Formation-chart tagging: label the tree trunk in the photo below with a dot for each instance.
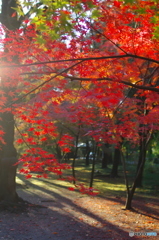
(128, 202)
(138, 178)
(74, 158)
(131, 191)
(93, 165)
(106, 155)
(8, 154)
(116, 161)
(142, 157)
(58, 152)
(88, 150)
(8, 157)
(104, 159)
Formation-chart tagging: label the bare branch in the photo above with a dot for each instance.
(82, 59)
(116, 45)
(37, 73)
(154, 89)
(42, 84)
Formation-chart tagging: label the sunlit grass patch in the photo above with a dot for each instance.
(106, 185)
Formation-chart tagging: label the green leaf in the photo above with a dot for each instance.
(19, 11)
(95, 13)
(40, 39)
(156, 32)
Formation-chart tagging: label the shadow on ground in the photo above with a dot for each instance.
(60, 218)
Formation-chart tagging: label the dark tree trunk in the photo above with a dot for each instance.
(116, 162)
(88, 150)
(74, 158)
(104, 160)
(131, 191)
(106, 155)
(58, 152)
(142, 159)
(144, 140)
(130, 194)
(8, 154)
(8, 158)
(6, 17)
(93, 165)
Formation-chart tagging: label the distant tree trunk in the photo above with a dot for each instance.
(75, 156)
(106, 155)
(116, 161)
(93, 165)
(104, 159)
(150, 153)
(145, 135)
(88, 150)
(58, 152)
(142, 159)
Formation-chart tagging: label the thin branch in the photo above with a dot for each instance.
(82, 59)
(22, 136)
(83, 87)
(42, 84)
(153, 72)
(116, 45)
(113, 80)
(37, 73)
(59, 122)
(149, 137)
(121, 103)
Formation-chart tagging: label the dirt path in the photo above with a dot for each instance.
(66, 215)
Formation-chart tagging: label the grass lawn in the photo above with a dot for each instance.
(116, 186)
(112, 187)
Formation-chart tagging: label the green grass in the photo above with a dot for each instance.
(106, 185)
(116, 186)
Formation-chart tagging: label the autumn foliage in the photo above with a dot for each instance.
(99, 76)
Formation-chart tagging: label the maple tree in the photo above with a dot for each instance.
(96, 69)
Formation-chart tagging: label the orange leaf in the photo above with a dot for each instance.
(14, 14)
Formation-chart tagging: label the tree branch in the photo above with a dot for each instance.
(42, 84)
(116, 45)
(113, 80)
(82, 59)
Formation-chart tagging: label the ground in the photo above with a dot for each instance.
(65, 215)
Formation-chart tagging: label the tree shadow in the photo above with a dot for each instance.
(137, 206)
(67, 214)
(140, 205)
(147, 207)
